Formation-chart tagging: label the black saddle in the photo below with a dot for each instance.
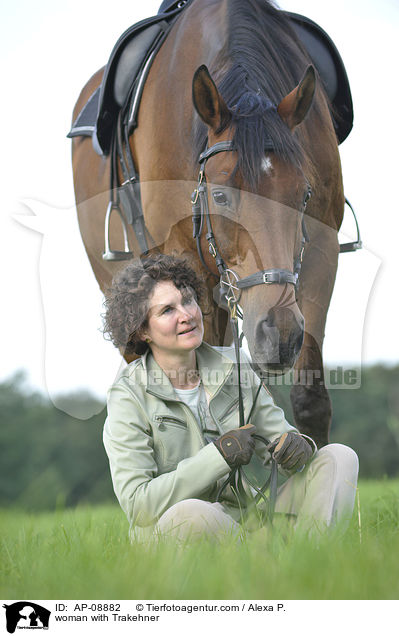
(131, 59)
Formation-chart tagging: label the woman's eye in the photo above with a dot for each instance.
(219, 197)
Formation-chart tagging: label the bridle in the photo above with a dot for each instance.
(200, 214)
(231, 286)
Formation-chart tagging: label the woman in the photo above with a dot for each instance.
(172, 433)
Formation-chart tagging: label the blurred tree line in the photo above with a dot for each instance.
(49, 459)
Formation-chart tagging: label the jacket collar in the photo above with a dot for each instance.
(214, 367)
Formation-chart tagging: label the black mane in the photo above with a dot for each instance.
(265, 62)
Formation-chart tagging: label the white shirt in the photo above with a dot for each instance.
(196, 400)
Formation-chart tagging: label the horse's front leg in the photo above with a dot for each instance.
(309, 396)
(310, 400)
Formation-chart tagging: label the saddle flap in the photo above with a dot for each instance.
(131, 60)
(85, 122)
(135, 45)
(328, 62)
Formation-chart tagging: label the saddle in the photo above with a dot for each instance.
(131, 60)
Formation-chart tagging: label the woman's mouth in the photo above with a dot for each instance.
(182, 333)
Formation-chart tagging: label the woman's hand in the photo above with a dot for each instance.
(291, 451)
(237, 445)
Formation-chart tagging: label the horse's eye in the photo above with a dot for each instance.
(220, 197)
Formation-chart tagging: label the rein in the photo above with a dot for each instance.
(237, 475)
(234, 285)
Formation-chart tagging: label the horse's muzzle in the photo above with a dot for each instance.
(278, 340)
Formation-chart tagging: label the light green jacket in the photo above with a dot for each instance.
(157, 453)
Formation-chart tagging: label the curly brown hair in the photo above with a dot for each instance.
(126, 303)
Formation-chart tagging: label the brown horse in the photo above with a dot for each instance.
(251, 82)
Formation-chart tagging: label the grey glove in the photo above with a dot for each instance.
(237, 445)
(291, 451)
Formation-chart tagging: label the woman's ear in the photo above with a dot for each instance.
(142, 335)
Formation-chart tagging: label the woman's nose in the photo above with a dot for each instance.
(184, 314)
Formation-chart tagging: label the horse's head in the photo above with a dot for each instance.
(256, 192)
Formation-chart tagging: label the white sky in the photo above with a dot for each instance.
(50, 326)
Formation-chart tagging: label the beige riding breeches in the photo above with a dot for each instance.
(318, 498)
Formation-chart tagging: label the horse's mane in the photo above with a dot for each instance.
(265, 62)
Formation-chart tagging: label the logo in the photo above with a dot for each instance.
(26, 615)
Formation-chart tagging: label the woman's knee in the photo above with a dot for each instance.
(195, 517)
(192, 512)
(341, 455)
(188, 509)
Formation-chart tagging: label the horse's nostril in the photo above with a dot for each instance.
(269, 321)
(278, 339)
(285, 320)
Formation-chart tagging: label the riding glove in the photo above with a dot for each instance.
(291, 451)
(237, 445)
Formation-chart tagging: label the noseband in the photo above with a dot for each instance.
(228, 278)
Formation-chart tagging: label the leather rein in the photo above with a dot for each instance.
(231, 286)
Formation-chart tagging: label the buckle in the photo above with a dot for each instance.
(265, 280)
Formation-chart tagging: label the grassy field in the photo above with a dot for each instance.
(85, 553)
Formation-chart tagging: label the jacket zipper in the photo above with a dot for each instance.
(218, 391)
(160, 419)
(229, 410)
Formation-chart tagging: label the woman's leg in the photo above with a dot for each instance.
(323, 494)
(194, 518)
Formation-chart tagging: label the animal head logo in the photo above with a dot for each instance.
(26, 615)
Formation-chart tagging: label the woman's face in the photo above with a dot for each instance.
(174, 319)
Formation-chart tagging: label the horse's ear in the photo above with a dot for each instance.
(293, 107)
(208, 102)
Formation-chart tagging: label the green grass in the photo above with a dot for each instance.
(84, 553)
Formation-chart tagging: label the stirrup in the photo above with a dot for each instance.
(116, 255)
(354, 245)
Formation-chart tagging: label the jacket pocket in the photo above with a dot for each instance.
(164, 421)
(230, 409)
(171, 440)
